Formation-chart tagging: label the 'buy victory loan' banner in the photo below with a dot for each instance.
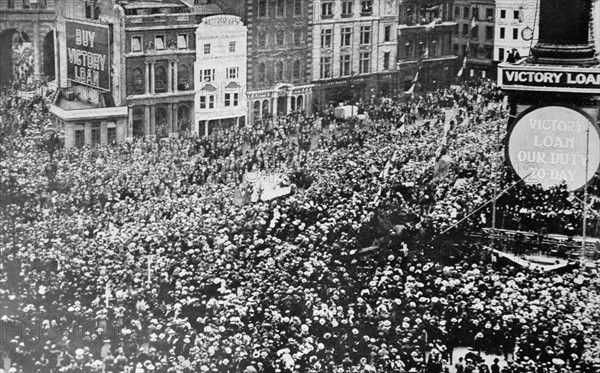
(88, 54)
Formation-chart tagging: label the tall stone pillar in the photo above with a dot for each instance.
(147, 125)
(152, 77)
(147, 73)
(37, 47)
(169, 76)
(176, 76)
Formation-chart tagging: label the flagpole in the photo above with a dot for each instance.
(585, 189)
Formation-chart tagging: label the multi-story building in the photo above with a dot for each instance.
(354, 50)
(515, 28)
(425, 39)
(27, 32)
(279, 48)
(140, 78)
(220, 71)
(475, 32)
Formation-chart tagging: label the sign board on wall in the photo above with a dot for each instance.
(553, 144)
(88, 54)
(554, 79)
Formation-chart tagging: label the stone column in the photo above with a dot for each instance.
(169, 76)
(147, 125)
(152, 76)
(147, 77)
(176, 76)
(129, 129)
(37, 46)
(289, 104)
(170, 125)
(274, 106)
(152, 120)
(175, 127)
(56, 58)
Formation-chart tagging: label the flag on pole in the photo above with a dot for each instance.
(473, 24)
(463, 67)
(430, 26)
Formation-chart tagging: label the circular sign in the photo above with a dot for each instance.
(553, 144)
(527, 33)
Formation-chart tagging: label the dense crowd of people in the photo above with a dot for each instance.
(141, 257)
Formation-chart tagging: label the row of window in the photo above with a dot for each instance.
(96, 138)
(159, 80)
(26, 4)
(279, 8)
(515, 33)
(364, 64)
(475, 51)
(208, 75)
(231, 48)
(160, 43)
(473, 32)
(346, 36)
(473, 13)
(328, 8)
(280, 36)
(279, 73)
(229, 100)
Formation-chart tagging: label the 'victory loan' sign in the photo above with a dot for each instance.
(551, 144)
(88, 54)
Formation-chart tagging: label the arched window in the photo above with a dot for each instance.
(265, 108)
(160, 123)
(137, 81)
(183, 78)
(262, 73)
(183, 115)
(256, 109)
(137, 122)
(300, 102)
(279, 71)
(293, 103)
(160, 79)
(297, 70)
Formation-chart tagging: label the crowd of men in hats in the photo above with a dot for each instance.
(138, 258)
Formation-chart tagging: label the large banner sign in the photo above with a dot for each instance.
(553, 144)
(542, 79)
(88, 54)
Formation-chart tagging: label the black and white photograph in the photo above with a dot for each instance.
(299, 186)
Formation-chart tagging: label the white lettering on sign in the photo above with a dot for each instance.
(85, 37)
(532, 76)
(554, 144)
(552, 78)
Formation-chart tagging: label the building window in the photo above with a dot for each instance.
(297, 70)
(489, 32)
(160, 79)
(297, 36)
(111, 135)
(232, 72)
(387, 33)
(455, 49)
(183, 78)
(325, 67)
(502, 32)
(96, 139)
(475, 33)
(347, 8)
(262, 72)
(207, 102)
(502, 13)
(182, 41)
(262, 39)
(297, 8)
(208, 75)
(465, 29)
(345, 65)
(279, 71)
(279, 38)
(11, 5)
(136, 43)
(366, 7)
(346, 35)
(364, 65)
(206, 48)
(500, 54)
(159, 42)
(516, 15)
(515, 33)
(326, 38)
(262, 8)
(466, 11)
(386, 60)
(280, 8)
(489, 14)
(456, 13)
(476, 14)
(231, 99)
(365, 34)
(137, 81)
(408, 50)
(327, 9)
(232, 46)
(79, 138)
